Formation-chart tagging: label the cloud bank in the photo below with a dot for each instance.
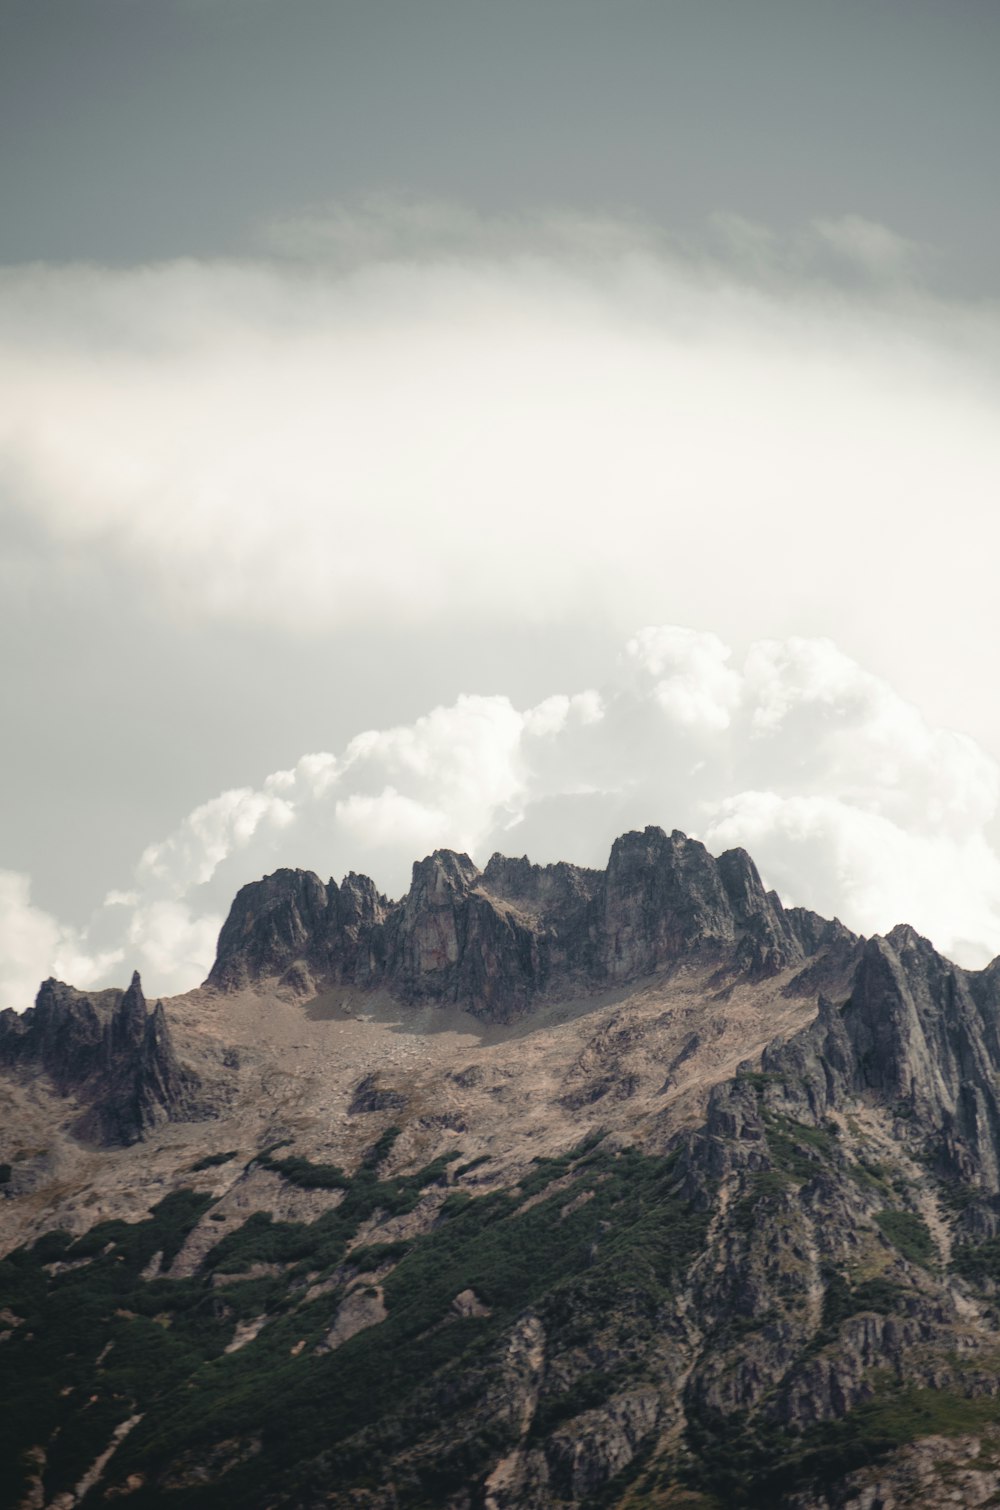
(409, 417)
(849, 800)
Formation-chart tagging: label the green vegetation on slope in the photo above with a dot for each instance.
(90, 1341)
(335, 1419)
(978, 1262)
(751, 1463)
(909, 1233)
(594, 1244)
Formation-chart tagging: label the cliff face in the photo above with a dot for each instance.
(854, 1264)
(496, 940)
(107, 1050)
(291, 925)
(918, 1035)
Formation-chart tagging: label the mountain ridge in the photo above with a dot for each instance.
(540, 1187)
(499, 938)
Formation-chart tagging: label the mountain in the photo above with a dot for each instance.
(498, 940)
(540, 1187)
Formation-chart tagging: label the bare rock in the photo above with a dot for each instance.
(497, 942)
(111, 1053)
(594, 1447)
(364, 1307)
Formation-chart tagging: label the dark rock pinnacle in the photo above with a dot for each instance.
(109, 1052)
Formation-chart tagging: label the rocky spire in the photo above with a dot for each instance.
(108, 1051)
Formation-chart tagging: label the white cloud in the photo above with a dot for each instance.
(695, 684)
(845, 730)
(455, 768)
(834, 247)
(575, 421)
(389, 820)
(191, 856)
(33, 945)
(170, 942)
(850, 802)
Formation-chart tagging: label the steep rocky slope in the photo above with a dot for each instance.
(541, 1187)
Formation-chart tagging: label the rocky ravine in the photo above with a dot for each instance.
(540, 1187)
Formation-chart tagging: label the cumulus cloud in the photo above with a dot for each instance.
(694, 684)
(33, 945)
(849, 800)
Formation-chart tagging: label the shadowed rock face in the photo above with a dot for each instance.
(292, 926)
(495, 940)
(919, 1035)
(106, 1049)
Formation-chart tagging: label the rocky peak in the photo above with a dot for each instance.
(440, 878)
(357, 901)
(428, 932)
(666, 897)
(506, 876)
(71, 1032)
(913, 1023)
(352, 944)
(918, 1033)
(490, 941)
(271, 923)
(814, 932)
(128, 1023)
(663, 897)
(494, 940)
(770, 940)
(108, 1051)
(741, 881)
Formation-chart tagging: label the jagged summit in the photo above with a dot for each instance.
(107, 1050)
(496, 940)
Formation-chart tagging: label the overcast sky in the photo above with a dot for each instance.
(493, 426)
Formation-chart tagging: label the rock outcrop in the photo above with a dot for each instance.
(291, 926)
(108, 1051)
(496, 940)
(922, 1037)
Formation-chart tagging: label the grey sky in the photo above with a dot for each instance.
(386, 353)
(134, 130)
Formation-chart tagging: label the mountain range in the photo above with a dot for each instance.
(542, 1186)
